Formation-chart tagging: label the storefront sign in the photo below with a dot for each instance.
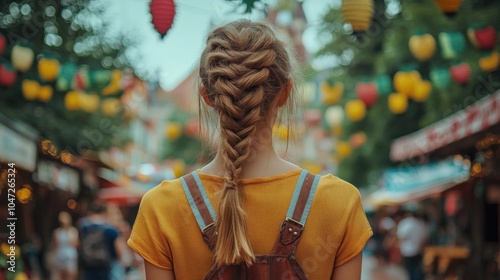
(477, 117)
(416, 178)
(17, 149)
(57, 175)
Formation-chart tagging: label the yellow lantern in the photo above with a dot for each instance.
(490, 63)
(114, 84)
(45, 93)
(422, 46)
(48, 69)
(72, 100)
(422, 91)
(283, 132)
(398, 103)
(30, 89)
(110, 106)
(343, 149)
(404, 82)
(358, 13)
(90, 102)
(355, 110)
(173, 131)
(178, 168)
(22, 58)
(332, 94)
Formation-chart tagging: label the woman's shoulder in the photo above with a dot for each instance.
(331, 187)
(164, 192)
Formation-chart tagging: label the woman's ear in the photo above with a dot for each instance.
(204, 95)
(285, 93)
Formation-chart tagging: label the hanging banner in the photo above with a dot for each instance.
(475, 118)
(16, 148)
(59, 176)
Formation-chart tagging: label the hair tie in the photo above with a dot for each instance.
(231, 187)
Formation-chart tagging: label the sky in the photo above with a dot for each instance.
(172, 58)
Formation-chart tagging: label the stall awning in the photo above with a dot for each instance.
(405, 184)
(475, 118)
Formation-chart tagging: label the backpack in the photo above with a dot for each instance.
(94, 248)
(281, 263)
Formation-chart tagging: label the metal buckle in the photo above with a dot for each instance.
(208, 227)
(294, 221)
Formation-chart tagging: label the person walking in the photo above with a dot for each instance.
(100, 244)
(65, 252)
(249, 214)
(413, 234)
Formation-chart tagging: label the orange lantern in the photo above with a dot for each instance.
(173, 131)
(449, 7)
(332, 94)
(358, 139)
(355, 110)
(30, 89)
(404, 82)
(398, 103)
(48, 69)
(72, 100)
(422, 46)
(422, 91)
(45, 93)
(22, 58)
(343, 149)
(358, 13)
(490, 63)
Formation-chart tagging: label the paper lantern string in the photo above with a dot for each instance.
(163, 12)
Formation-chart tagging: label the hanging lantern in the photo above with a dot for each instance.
(45, 93)
(486, 38)
(30, 89)
(48, 69)
(384, 84)
(471, 34)
(89, 102)
(398, 103)
(452, 44)
(22, 57)
(81, 79)
(460, 73)
(334, 115)
(404, 82)
(72, 100)
(65, 77)
(440, 78)
(448, 7)
(332, 94)
(355, 110)
(110, 106)
(358, 13)
(343, 149)
(3, 43)
(422, 46)
(7, 75)
(367, 92)
(422, 91)
(490, 63)
(358, 139)
(163, 12)
(114, 85)
(173, 131)
(312, 117)
(100, 78)
(283, 132)
(179, 168)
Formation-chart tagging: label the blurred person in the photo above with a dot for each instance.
(413, 233)
(65, 249)
(100, 244)
(246, 75)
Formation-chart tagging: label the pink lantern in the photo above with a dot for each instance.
(192, 127)
(163, 12)
(367, 92)
(460, 73)
(312, 117)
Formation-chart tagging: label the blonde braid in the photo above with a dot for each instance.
(241, 75)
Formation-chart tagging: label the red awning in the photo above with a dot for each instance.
(121, 195)
(475, 118)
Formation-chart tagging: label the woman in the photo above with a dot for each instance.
(65, 248)
(246, 75)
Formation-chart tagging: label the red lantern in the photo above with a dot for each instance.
(7, 76)
(3, 42)
(486, 38)
(163, 12)
(460, 73)
(367, 92)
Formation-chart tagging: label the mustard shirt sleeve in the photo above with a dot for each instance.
(357, 231)
(147, 238)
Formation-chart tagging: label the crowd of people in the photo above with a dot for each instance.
(94, 247)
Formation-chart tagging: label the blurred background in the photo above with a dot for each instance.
(400, 97)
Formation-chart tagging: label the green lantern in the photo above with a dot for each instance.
(100, 78)
(384, 84)
(440, 78)
(452, 44)
(68, 69)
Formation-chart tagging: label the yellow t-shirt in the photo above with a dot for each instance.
(166, 234)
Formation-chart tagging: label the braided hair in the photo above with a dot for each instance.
(243, 69)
